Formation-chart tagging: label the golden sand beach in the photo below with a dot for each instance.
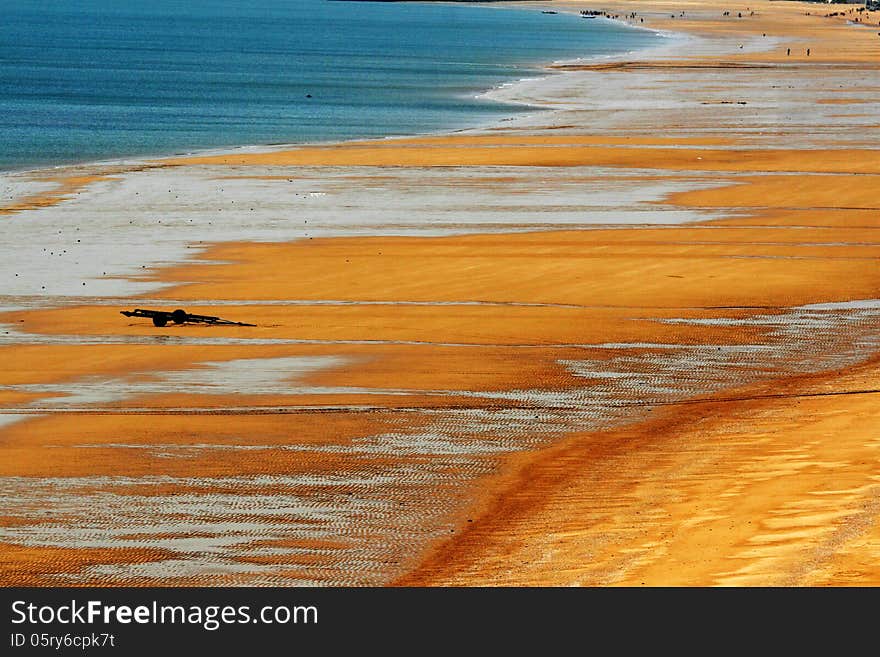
(629, 341)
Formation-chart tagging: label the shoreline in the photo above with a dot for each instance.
(541, 71)
(499, 94)
(644, 319)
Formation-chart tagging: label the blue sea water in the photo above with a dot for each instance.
(85, 80)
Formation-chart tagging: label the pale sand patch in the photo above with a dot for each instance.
(57, 189)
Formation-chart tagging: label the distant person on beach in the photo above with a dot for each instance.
(808, 52)
(788, 51)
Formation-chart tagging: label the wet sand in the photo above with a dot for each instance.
(630, 341)
(776, 487)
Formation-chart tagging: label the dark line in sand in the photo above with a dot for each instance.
(230, 410)
(802, 395)
(408, 409)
